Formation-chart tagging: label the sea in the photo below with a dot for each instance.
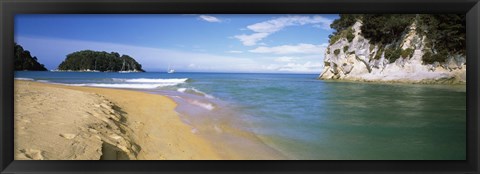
(301, 117)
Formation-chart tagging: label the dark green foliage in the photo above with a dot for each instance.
(407, 53)
(336, 52)
(345, 49)
(385, 28)
(445, 33)
(345, 21)
(350, 35)
(372, 47)
(392, 54)
(327, 63)
(334, 38)
(100, 61)
(25, 61)
(429, 58)
(378, 28)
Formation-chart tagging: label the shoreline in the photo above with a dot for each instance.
(158, 136)
(445, 82)
(151, 127)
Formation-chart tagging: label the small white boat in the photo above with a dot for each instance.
(170, 71)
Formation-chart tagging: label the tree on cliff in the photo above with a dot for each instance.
(100, 61)
(25, 61)
(445, 33)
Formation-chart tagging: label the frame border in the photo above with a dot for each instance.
(8, 8)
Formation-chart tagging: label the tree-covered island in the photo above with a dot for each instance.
(88, 60)
(24, 61)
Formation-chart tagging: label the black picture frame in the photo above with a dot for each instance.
(8, 8)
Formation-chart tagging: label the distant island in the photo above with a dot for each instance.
(25, 62)
(405, 48)
(99, 61)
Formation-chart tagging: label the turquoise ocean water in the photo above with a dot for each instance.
(305, 118)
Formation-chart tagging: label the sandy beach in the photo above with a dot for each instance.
(80, 123)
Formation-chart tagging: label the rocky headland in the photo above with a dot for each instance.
(352, 56)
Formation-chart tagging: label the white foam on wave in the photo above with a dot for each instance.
(43, 81)
(140, 83)
(146, 80)
(27, 79)
(196, 91)
(182, 89)
(125, 85)
(207, 106)
(204, 94)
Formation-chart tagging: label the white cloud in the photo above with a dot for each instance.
(284, 59)
(252, 39)
(277, 24)
(209, 18)
(307, 67)
(235, 51)
(292, 49)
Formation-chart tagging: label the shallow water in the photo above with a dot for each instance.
(305, 118)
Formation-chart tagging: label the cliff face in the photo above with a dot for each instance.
(359, 60)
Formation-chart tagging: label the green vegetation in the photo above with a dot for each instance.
(379, 54)
(336, 52)
(429, 58)
(25, 61)
(378, 28)
(392, 54)
(385, 28)
(407, 53)
(100, 61)
(334, 38)
(345, 49)
(445, 33)
(344, 22)
(348, 33)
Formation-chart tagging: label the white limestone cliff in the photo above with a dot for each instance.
(358, 62)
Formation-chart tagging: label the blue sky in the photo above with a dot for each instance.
(193, 43)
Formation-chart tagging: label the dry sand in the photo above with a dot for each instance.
(81, 123)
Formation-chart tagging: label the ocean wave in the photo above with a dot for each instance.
(182, 89)
(145, 80)
(123, 85)
(43, 81)
(27, 79)
(207, 106)
(195, 91)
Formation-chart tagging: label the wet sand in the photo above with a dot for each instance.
(62, 122)
(69, 122)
